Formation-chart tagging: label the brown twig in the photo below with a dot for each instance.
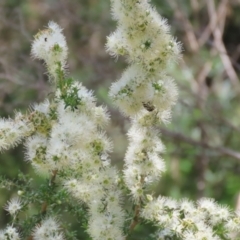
(217, 34)
(180, 137)
(202, 95)
(135, 218)
(190, 35)
(54, 174)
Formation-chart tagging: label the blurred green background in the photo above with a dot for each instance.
(202, 142)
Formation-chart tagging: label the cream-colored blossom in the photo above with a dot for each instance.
(14, 206)
(50, 45)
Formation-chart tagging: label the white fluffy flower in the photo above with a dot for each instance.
(14, 206)
(191, 221)
(207, 204)
(10, 233)
(49, 229)
(13, 131)
(50, 45)
(108, 225)
(142, 35)
(36, 147)
(42, 107)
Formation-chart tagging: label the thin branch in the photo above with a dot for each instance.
(219, 45)
(135, 218)
(219, 149)
(191, 37)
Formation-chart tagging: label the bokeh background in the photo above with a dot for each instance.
(203, 140)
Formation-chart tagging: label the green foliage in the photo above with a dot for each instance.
(46, 199)
(69, 93)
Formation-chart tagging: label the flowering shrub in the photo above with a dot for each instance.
(65, 141)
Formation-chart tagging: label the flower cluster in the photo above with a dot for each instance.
(48, 230)
(13, 131)
(50, 45)
(204, 220)
(144, 92)
(142, 35)
(10, 233)
(14, 206)
(65, 136)
(76, 143)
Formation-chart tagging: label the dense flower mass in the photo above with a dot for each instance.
(65, 136)
(73, 140)
(204, 220)
(48, 230)
(142, 35)
(145, 92)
